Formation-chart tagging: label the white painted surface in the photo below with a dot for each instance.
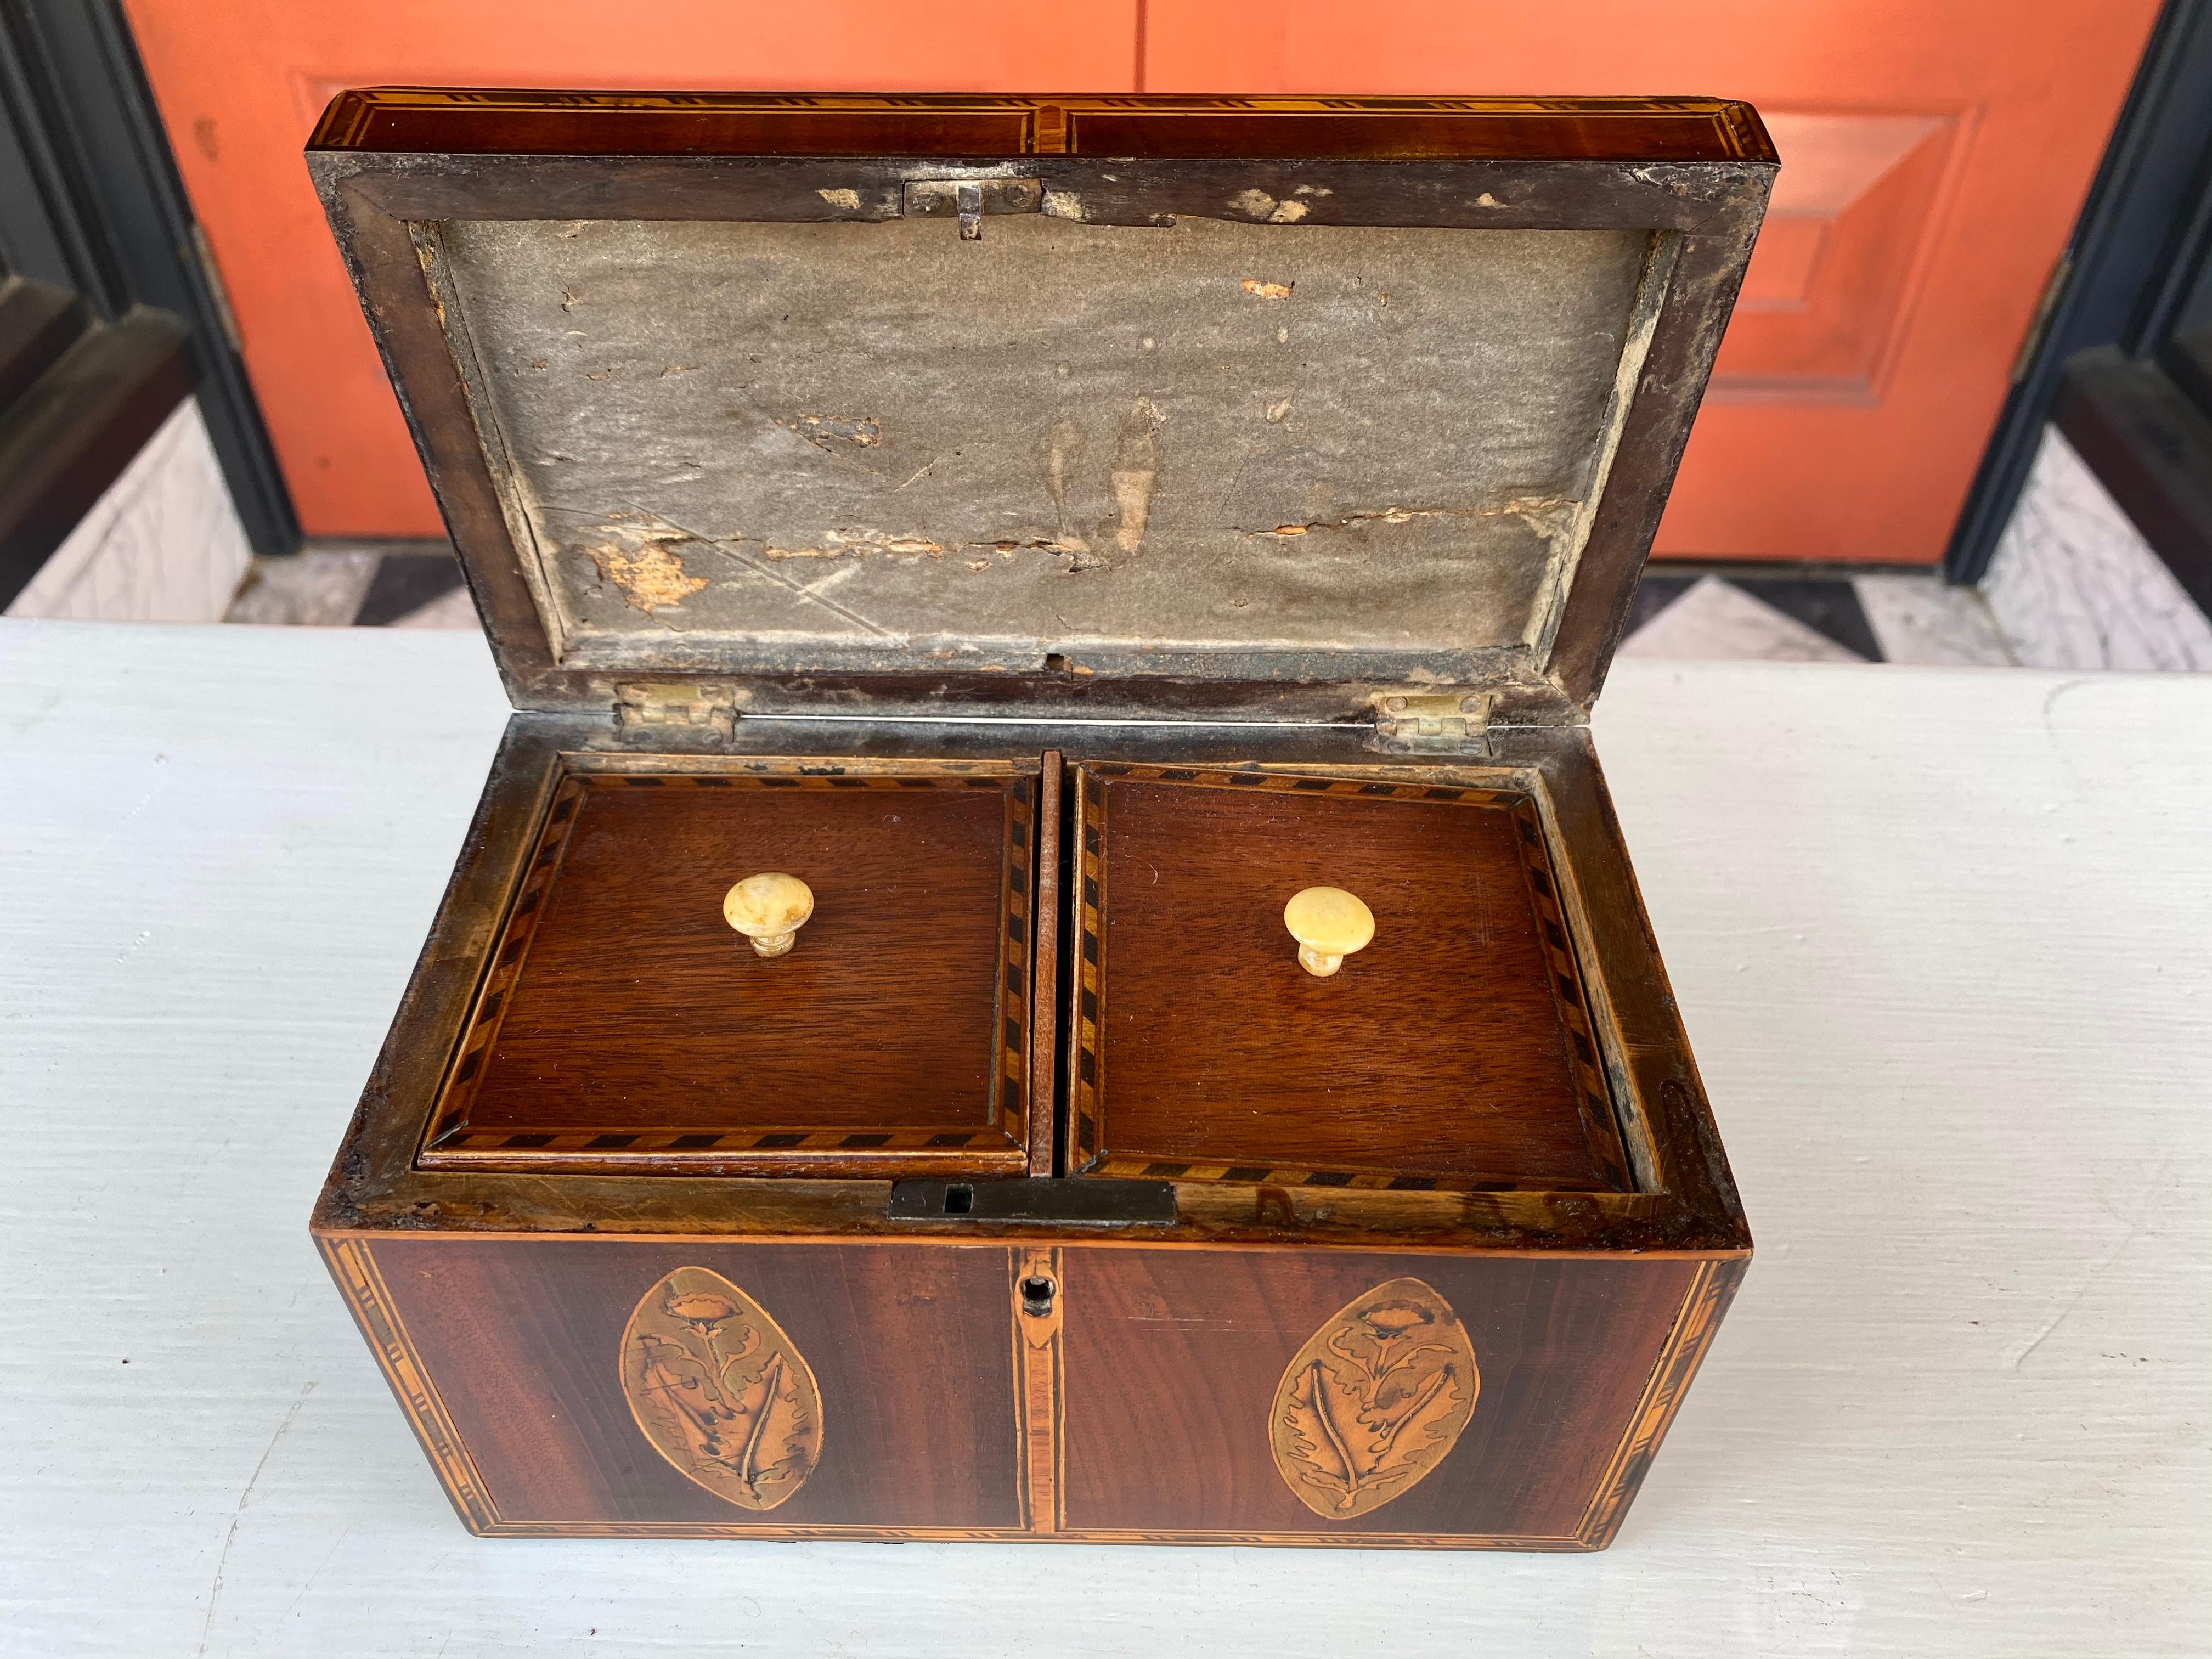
(1943, 939)
(162, 543)
(2074, 585)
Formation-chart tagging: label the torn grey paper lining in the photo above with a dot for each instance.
(776, 440)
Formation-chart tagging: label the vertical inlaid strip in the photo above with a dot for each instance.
(1570, 998)
(1712, 1286)
(1037, 1381)
(1044, 1130)
(1087, 987)
(1009, 1091)
(525, 911)
(363, 1287)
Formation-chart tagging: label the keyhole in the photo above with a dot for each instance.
(1037, 1296)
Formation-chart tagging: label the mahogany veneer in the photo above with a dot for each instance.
(625, 1024)
(1456, 1050)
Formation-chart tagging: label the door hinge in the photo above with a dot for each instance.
(2039, 325)
(1455, 723)
(218, 291)
(675, 702)
(971, 199)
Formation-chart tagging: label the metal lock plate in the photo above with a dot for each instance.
(971, 199)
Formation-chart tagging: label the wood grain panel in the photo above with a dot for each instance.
(622, 1018)
(1453, 1050)
(1173, 1359)
(487, 121)
(909, 1347)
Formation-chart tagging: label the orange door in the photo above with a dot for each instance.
(1935, 153)
(240, 83)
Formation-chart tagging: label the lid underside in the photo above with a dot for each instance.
(1201, 447)
(1243, 409)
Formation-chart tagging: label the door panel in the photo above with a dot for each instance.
(1825, 304)
(1935, 153)
(239, 86)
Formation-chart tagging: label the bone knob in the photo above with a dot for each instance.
(769, 910)
(1329, 924)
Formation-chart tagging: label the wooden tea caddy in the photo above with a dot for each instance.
(1057, 531)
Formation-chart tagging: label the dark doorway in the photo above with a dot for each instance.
(2121, 360)
(109, 313)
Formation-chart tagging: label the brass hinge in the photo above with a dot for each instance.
(675, 702)
(971, 199)
(1455, 723)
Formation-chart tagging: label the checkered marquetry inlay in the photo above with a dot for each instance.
(451, 1139)
(1087, 1093)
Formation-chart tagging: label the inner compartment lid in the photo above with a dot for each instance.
(624, 1027)
(1453, 1051)
(850, 399)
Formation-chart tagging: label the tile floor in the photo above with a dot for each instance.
(162, 543)
(2073, 586)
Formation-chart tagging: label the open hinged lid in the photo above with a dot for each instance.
(1117, 407)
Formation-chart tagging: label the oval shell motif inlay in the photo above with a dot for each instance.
(720, 1391)
(1374, 1400)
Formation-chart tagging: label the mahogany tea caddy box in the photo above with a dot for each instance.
(1045, 954)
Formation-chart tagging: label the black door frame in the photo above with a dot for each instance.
(2136, 251)
(123, 308)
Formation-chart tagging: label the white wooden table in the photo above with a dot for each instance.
(1944, 942)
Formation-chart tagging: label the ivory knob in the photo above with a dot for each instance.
(769, 910)
(1329, 924)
